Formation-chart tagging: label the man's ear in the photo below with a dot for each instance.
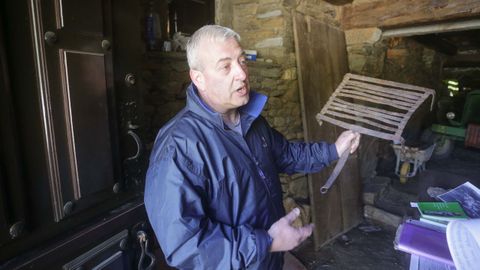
(198, 79)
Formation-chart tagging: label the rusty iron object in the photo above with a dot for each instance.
(336, 171)
(371, 106)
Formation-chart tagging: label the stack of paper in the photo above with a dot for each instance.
(422, 263)
(447, 236)
(463, 237)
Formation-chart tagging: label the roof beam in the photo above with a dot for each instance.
(456, 26)
(339, 2)
(393, 14)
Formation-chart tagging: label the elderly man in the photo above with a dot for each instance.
(212, 193)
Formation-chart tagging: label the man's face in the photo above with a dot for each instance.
(223, 82)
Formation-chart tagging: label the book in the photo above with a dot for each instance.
(422, 241)
(430, 224)
(467, 195)
(442, 212)
(442, 226)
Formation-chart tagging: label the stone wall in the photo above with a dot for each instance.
(165, 78)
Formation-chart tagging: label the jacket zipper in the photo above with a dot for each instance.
(260, 172)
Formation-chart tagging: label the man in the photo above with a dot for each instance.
(212, 191)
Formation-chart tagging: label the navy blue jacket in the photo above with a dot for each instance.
(211, 194)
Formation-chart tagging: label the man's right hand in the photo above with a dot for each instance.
(285, 236)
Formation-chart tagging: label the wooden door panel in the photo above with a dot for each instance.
(92, 149)
(81, 17)
(106, 255)
(78, 102)
(322, 63)
(4, 222)
(12, 201)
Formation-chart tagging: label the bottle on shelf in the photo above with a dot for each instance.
(153, 29)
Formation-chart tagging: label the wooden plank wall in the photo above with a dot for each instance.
(322, 62)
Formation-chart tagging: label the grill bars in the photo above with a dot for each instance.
(373, 107)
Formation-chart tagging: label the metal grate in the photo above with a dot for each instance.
(375, 107)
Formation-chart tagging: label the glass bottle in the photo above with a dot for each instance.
(153, 29)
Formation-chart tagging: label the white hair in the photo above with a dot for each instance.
(208, 32)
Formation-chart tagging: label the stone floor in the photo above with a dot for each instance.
(370, 247)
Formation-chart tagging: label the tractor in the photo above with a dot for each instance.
(458, 120)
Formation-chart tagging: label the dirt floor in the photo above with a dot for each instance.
(370, 246)
(358, 249)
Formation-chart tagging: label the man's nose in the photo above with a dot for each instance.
(241, 72)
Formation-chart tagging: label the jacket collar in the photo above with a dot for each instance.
(248, 113)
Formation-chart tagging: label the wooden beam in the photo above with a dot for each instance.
(464, 25)
(338, 2)
(468, 60)
(391, 14)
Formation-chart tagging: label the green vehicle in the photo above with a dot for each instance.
(458, 118)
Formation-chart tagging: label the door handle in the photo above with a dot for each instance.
(138, 142)
(143, 240)
(130, 80)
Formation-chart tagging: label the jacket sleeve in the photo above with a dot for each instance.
(175, 195)
(301, 157)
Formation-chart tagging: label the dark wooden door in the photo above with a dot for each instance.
(72, 165)
(12, 199)
(322, 63)
(73, 53)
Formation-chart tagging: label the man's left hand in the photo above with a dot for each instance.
(347, 141)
